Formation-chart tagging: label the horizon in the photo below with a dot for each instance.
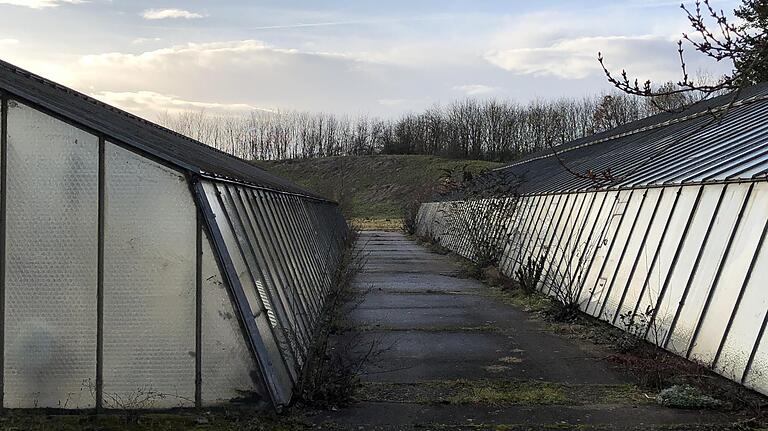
(344, 58)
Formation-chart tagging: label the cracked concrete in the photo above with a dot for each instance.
(433, 326)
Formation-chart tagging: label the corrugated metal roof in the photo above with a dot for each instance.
(690, 147)
(134, 131)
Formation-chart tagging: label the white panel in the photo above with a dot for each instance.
(623, 271)
(712, 255)
(149, 284)
(228, 367)
(607, 225)
(731, 280)
(518, 232)
(668, 307)
(619, 236)
(644, 258)
(746, 326)
(51, 279)
(660, 271)
(541, 241)
(560, 245)
(592, 244)
(583, 241)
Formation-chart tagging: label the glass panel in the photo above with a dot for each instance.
(659, 273)
(757, 376)
(592, 243)
(624, 215)
(729, 285)
(746, 325)
(678, 279)
(644, 259)
(149, 284)
(228, 368)
(258, 313)
(51, 279)
(712, 255)
(619, 275)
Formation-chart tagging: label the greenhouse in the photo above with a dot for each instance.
(657, 227)
(142, 269)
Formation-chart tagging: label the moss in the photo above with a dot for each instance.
(523, 394)
(385, 224)
(687, 397)
(499, 392)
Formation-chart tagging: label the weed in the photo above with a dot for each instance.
(528, 275)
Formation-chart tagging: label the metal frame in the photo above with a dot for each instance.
(3, 212)
(275, 393)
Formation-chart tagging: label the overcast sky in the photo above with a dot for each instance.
(343, 56)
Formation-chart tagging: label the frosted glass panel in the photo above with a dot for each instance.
(52, 228)
(228, 368)
(712, 255)
(726, 291)
(149, 283)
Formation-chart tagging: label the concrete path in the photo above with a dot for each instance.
(452, 356)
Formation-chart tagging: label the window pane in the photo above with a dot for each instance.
(149, 284)
(52, 229)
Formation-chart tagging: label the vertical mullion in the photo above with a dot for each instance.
(593, 253)
(100, 278)
(302, 240)
(3, 194)
(743, 289)
(655, 259)
(719, 273)
(695, 269)
(610, 247)
(198, 310)
(623, 253)
(675, 258)
(635, 261)
(542, 208)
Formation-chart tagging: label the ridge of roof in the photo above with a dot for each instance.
(663, 119)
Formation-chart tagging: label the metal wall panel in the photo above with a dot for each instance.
(657, 284)
(646, 257)
(51, 262)
(734, 270)
(622, 271)
(709, 264)
(229, 370)
(617, 245)
(149, 284)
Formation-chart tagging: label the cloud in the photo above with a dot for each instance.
(141, 40)
(149, 103)
(9, 42)
(565, 47)
(155, 14)
(40, 4)
(577, 58)
(247, 74)
(475, 89)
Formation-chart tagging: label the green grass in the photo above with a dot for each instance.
(371, 187)
(501, 392)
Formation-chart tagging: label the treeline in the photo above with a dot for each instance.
(467, 129)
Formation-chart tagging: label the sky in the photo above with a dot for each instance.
(348, 57)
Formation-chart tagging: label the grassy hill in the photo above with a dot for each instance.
(371, 187)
